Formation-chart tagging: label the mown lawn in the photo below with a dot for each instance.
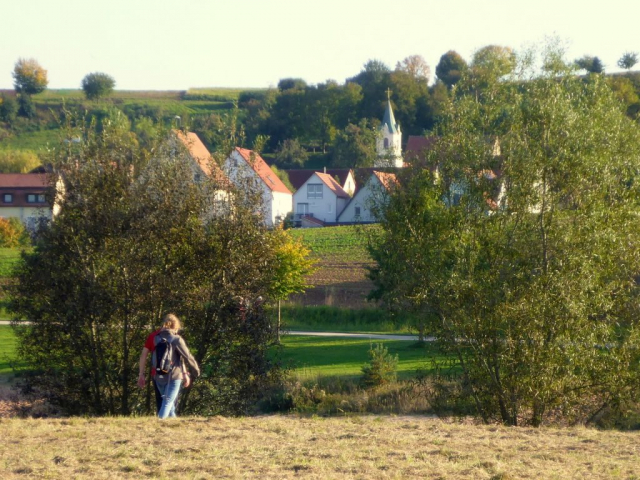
(7, 349)
(8, 259)
(307, 357)
(310, 357)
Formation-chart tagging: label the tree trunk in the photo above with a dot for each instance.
(278, 328)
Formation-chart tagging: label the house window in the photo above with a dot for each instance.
(386, 143)
(330, 208)
(314, 190)
(357, 211)
(303, 209)
(7, 198)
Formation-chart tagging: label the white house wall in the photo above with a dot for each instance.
(282, 205)
(326, 208)
(364, 200)
(275, 205)
(27, 215)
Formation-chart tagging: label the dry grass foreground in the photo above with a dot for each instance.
(293, 447)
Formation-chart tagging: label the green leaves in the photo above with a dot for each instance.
(524, 245)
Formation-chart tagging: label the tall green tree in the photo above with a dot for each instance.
(628, 60)
(450, 68)
(530, 278)
(494, 60)
(136, 237)
(97, 85)
(355, 146)
(590, 64)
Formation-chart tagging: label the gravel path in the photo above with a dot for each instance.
(373, 336)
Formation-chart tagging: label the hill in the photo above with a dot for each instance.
(160, 106)
(294, 447)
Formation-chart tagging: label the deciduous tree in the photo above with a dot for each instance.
(526, 259)
(450, 68)
(628, 60)
(97, 85)
(416, 66)
(29, 77)
(293, 266)
(136, 238)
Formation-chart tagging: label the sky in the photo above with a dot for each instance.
(182, 44)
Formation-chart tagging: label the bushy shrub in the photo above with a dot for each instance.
(12, 233)
(381, 369)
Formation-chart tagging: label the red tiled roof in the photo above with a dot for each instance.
(24, 180)
(263, 170)
(388, 180)
(417, 145)
(19, 185)
(298, 177)
(201, 155)
(334, 186)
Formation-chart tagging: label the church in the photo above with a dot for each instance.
(389, 141)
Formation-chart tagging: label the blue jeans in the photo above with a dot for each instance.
(169, 394)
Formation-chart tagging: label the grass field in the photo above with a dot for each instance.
(324, 318)
(307, 356)
(310, 357)
(342, 262)
(8, 259)
(287, 447)
(7, 349)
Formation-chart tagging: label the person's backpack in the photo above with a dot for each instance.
(163, 355)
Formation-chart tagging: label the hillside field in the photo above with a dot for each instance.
(286, 447)
(158, 104)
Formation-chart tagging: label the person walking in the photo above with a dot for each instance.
(168, 362)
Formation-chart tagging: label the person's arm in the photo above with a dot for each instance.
(142, 380)
(185, 376)
(183, 350)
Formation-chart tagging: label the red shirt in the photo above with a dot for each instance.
(150, 345)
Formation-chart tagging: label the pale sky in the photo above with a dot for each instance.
(179, 44)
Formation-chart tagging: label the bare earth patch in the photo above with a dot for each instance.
(298, 447)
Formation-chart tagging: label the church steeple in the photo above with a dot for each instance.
(389, 141)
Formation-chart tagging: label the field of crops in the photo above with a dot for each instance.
(342, 265)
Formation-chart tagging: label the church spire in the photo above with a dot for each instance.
(389, 138)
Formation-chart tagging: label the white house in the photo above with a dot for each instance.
(321, 197)
(361, 207)
(23, 196)
(244, 166)
(344, 176)
(204, 164)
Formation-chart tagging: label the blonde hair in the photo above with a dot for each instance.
(171, 322)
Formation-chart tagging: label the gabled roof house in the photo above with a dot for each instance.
(23, 196)
(320, 198)
(344, 176)
(361, 207)
(244, 165)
